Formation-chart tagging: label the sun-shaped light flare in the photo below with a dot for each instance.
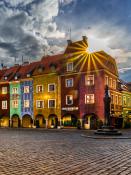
(82, 56)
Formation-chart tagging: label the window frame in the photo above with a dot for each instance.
(90, 98)
(42, 105)
(50, 100)
(66, 80)
(49, 87)
(67, 98)
(6, 106)
(2, 90)
(28, 90)
(26, 101)
(86, 80)
(37, 88)
(67, 68)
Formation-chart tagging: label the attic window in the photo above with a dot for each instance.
(53, 67)
(40, 68)
(5, 78)
(28, 75)
(16, 77)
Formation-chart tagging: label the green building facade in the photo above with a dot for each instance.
(15, 103)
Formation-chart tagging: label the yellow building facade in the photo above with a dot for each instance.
(47, 104)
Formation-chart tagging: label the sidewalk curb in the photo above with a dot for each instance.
(109, 137)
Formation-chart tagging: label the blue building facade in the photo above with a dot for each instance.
(27, 98)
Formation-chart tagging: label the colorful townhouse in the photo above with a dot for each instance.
(62, 90)
(4, 100)
(26, 88)
(47, 92)
(83, 80)
(126, 104)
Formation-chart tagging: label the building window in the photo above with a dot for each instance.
(124, 100)
(116, 99)
(39, 104)
(4, 104)
(4, 90)
(70, 67)
(114, 84)
(39, 88)
(89, 80)
(110, 82)
(14, 90)
(89, 99)
(112, 99)
(106, 80)
(26, 103)
(14, 103)
(26, 89)
(69, 100)
(120, 100)
(51, 103)
(51, 87)
(69, 82)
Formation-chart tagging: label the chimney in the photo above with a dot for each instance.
(69, 42)
(85, 38)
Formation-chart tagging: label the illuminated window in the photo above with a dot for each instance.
(69, 82)
(112, 99)
(4, 90)
(39, 88)
(114, 84)
(14, 90)
(124, 100)
(69, 100)
(51, 87)
(51, 103)
(69, 66)
(26, 103)
(89, 80)
(4, 104)
(39, 104)
(116, 99)
(89, 99)
(14, 103)
(110, 82)
(26, 89)
(106, 80)
(120, 100)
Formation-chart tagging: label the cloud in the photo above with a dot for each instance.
(26, 27)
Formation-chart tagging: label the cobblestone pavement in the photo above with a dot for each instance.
(42, 152)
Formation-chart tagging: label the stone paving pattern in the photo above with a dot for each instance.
(43, 152)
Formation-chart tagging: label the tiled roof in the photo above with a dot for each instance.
(10, 73)
(47, 63)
